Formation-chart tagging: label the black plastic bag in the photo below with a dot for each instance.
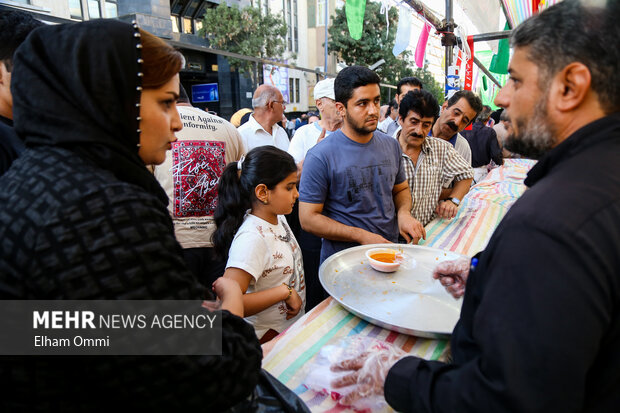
(271, 396)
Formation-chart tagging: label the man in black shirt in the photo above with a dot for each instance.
(539, 329)
(483, 144)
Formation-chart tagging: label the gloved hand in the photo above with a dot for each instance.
(453, 275)
(368, 372)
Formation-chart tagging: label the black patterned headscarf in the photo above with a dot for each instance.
(78, 86)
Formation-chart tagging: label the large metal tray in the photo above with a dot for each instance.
(408, 301)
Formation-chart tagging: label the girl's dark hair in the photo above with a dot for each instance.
(262, 165)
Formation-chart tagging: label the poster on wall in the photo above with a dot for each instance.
(277, 76)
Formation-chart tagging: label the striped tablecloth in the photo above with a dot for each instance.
(289, 355)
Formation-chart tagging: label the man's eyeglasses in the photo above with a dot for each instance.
(283, 103)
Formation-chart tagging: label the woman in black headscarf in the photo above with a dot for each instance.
(82, 218)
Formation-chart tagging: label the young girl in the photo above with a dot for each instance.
(263, 255)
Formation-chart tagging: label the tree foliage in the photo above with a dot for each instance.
(374, 46)
(429, 82)
(245, 31)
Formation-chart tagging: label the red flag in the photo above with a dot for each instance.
(469, 68)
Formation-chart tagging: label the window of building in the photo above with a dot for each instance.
(94, 12)
(187, 15)
(320, 12)
(187, 26)
(111, 9)
(295, 26)
(75, 9)
(289, 10)
(263, 6)
(293, 89)
(175, 23)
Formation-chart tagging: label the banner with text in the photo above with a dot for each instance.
(108, 327)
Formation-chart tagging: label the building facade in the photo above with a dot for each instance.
(207, 76)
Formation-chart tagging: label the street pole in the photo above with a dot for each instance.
(450, 30)
(326, 23)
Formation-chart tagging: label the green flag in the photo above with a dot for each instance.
(354, 10)
(499, 63)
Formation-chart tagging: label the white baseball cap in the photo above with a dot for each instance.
(324, 89)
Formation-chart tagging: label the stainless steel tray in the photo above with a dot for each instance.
(408, 300)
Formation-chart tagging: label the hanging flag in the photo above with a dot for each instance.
(421, 47)
(459, 59)
(354, 10)
(469, 66)
(385, 9)
(403, 32)
(499, 63)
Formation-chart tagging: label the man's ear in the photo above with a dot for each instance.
(570, 86)
(341, 108)
(3, 70)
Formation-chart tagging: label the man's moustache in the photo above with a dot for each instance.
(452, 126)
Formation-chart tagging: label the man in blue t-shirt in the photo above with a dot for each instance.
(353, 189)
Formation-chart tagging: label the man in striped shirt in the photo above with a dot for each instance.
(431, 164)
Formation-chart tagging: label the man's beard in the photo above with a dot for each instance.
(360, 128)
(537, 136)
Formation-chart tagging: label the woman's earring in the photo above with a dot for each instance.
(264, 201)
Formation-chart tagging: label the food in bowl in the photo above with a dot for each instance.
(383, 259)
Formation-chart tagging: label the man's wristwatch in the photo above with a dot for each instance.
(455, 201)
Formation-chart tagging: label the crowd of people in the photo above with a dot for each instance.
(114, 187)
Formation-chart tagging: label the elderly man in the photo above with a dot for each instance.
(308, 135)
(430, 163)
(263, 126)
(305, 138)
(456, 114)
(540, 323)
(405, 85)
(353, 189)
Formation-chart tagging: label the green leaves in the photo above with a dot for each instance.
(374, 45)
(245, 31)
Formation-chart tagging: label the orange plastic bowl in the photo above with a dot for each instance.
(383, 259)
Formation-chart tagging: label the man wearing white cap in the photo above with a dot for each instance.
(305, 138)
(308, 135)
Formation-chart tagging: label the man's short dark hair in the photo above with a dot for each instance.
(15, 26)
(421, 102)
(473, 100)
(391, 106)
(569, 32)
(413, 81)
(351, 78)
(484, 114)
